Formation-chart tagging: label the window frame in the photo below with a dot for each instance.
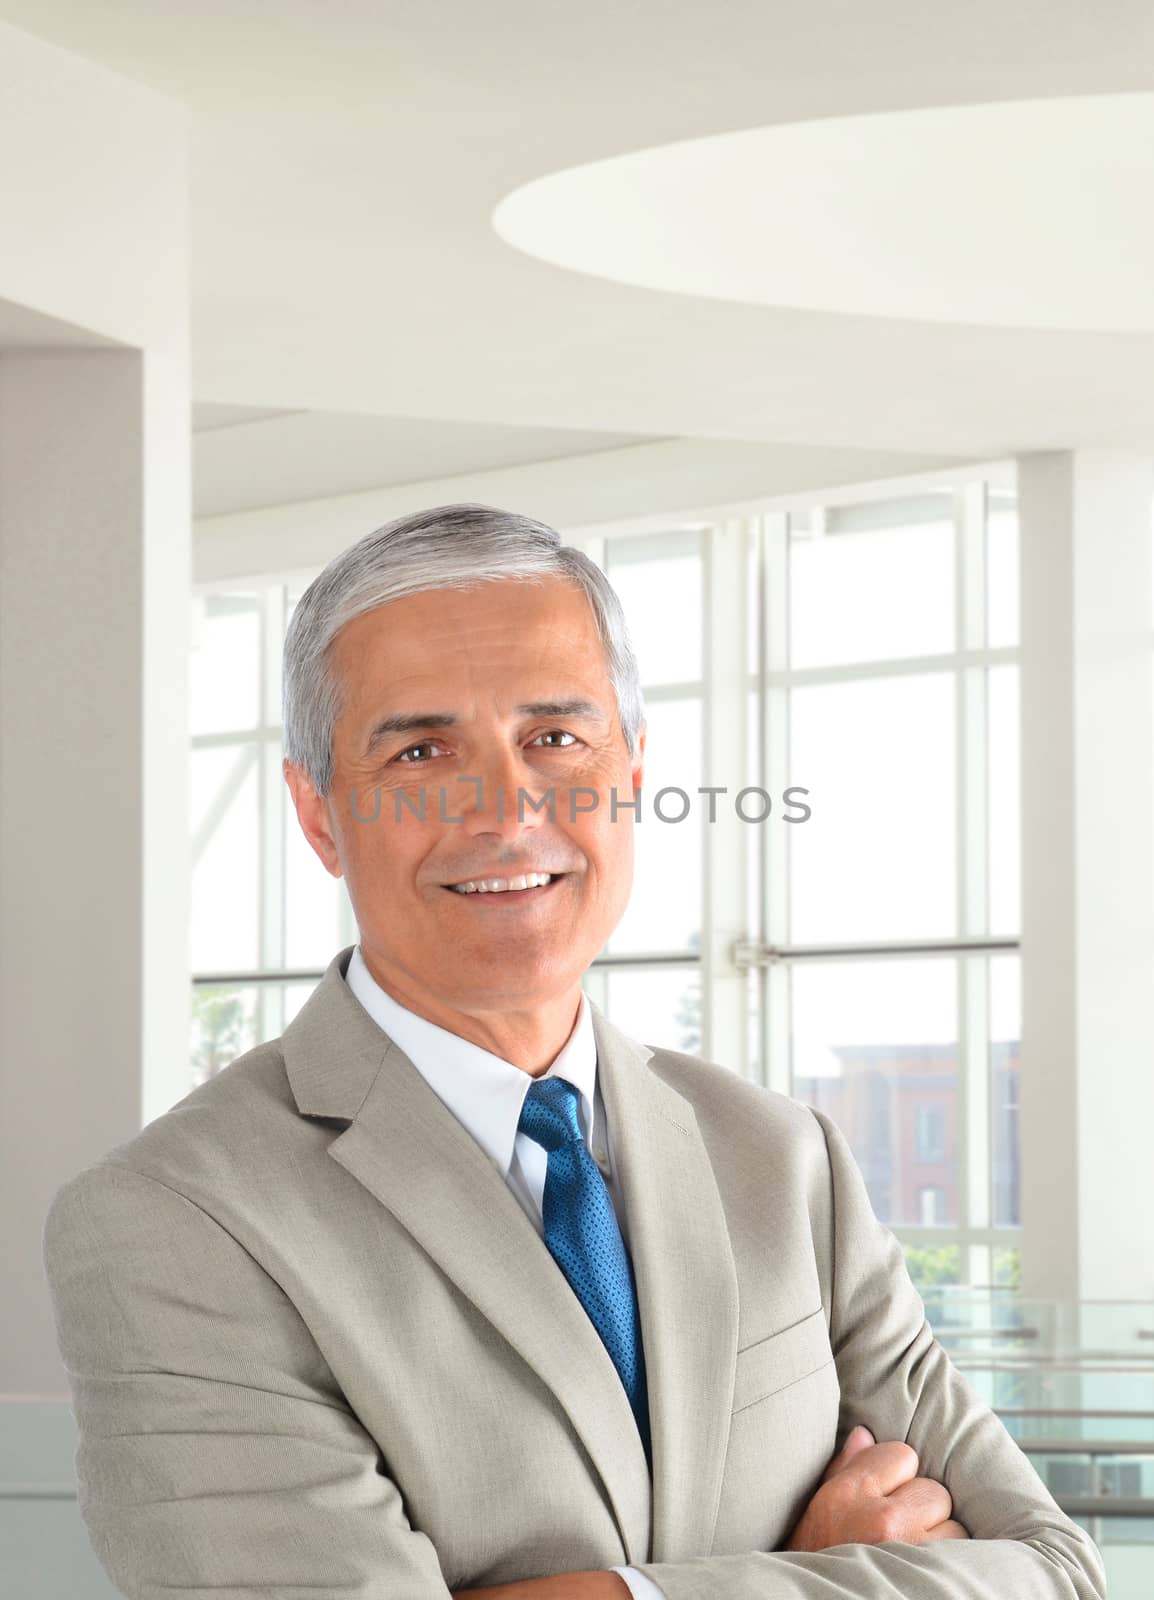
(744, 982)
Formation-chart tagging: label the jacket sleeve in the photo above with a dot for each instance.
(217, 1458)
(897, 1380)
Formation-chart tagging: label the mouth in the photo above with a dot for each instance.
(493, 899)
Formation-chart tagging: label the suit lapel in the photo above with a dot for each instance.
(413, 1155)
(686, 1288)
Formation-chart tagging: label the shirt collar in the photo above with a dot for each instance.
(482, 1090)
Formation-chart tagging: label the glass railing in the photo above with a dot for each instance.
(1074, 1385)
(1051, 1357)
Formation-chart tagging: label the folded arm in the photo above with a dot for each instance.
(218, 1457)
(898, 1381)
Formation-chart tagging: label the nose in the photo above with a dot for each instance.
(496, 799)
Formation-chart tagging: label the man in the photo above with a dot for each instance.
(455, 1287)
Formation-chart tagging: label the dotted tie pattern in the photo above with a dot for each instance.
(583, 1235)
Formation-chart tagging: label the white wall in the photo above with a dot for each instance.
(94, 553)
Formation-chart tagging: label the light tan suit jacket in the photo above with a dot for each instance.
(317, 1348)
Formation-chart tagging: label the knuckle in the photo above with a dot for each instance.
(889, 1524)
(842, 1493)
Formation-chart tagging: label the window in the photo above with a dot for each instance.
(929, 1134)
(885, 976)
(859, 647)
(871, 1040)
(932, 1199)
(1005, 1037)
(266, 917)
(648, 978)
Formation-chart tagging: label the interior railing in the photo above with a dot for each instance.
(1074, 1385)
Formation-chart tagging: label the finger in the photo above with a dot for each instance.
(860, 1438)
(925, 1501)
(883, 1468)
(945, 1530)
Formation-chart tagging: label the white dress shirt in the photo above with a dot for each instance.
(486, 1095)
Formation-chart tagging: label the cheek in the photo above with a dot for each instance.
(381, 846)
(609, 847)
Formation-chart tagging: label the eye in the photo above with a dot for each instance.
(425, 744)
(564, 735)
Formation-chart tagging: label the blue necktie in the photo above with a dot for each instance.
(583, 1235)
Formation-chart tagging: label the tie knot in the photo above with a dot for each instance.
(549, 1113)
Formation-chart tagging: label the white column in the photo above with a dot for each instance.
(93, 836)
(1087, 875)
(94, 582)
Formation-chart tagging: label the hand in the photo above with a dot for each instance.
(871, 1494)
(586, 1585)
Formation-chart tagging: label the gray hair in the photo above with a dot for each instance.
(448, 547)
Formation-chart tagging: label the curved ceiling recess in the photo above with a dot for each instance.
(1025, 214)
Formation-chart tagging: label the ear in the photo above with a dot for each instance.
(314, 817)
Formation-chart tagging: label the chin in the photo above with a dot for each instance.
(514, 978)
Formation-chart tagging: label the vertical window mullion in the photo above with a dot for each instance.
(773, 661)
(963, 614)
(726, 842)
(270, 996)
(974, 1052)
(974, 879)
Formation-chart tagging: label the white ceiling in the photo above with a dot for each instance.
(245, 457)
(1021, 214)
(347, 164)
(23, 329)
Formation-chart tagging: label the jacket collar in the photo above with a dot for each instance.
(398, 1139)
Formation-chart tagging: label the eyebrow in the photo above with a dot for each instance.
(419, 721)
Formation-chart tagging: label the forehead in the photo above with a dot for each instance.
(497, 629)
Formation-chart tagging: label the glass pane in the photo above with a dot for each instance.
(755, 840)
(1005, 1050)
(1002, 627)
(935, 1269)
(1005, 802)
(659, 580)
(312, 899)
(224, 673)
(659, 1006)
(664, 910)
(877, 584)
(753, 1027)
(1008, 1267)
(225, 928)
(294, 589)
(224, 1026)
(877, 857)
(228, 1019)
(875, 1046)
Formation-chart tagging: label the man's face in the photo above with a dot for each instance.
(477, 656)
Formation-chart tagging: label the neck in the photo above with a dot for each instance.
(529, 1036)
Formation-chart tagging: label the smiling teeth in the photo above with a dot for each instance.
(527, 880)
